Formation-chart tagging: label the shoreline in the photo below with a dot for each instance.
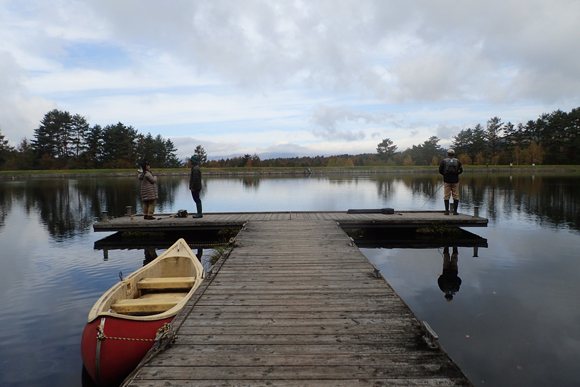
(278, 172)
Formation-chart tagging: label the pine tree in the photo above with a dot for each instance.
(201, 155)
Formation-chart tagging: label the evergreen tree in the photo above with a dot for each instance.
(94, 144)
(171, 155)
(462, 142)
(79, 130)
(5, 149)
(201, 155)
(509, 140)
(570, 152)
(424, 153)
(25, 156)
(386, 149)
(493, 135)
(51, 136)
(119, 146)
(478, 143)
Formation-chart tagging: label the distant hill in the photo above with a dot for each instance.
(263, 156)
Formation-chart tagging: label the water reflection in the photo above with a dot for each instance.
(5, 207)
(518, 303)
(410, 238)
(70, 206)
(251, 182)
(150, 243)
(150, 255)
(449, 282)
(550, 199)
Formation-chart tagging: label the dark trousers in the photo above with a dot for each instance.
(197, 200)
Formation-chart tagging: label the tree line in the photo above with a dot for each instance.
(66, 141)
(63, 140)
(553, 139)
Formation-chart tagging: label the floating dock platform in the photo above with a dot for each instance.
(217, 221)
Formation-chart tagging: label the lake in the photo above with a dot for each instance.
(512, 321)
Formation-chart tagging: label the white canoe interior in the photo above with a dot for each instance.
(156, 291)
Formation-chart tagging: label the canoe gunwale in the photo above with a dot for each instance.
(102, 307)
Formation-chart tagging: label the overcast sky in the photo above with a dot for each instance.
(315, 77)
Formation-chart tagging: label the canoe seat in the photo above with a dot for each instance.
(166, 283)
(148, 303)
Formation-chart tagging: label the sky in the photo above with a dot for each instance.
(287, 78)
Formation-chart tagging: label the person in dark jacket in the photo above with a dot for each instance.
(148, 191)
(195, 184)
(451, 168)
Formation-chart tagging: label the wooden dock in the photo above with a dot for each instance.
(216, 221)
(295, 303)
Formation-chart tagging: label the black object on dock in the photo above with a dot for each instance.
(386, 211)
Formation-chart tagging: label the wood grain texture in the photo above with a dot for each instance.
(297, 304)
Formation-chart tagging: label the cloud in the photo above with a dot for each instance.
(313, 149)
(446, 132)
(256, 73)
(19, 113)
(186, 146)
(379, 48)
(329, 118)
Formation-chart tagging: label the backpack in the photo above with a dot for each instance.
(451, 166)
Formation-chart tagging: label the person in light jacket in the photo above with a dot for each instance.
(148, 191)
(195, 184)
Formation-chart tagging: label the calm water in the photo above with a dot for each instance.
(513, 322)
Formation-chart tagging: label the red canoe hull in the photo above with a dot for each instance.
(126, 344)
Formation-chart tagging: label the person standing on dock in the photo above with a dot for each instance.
(148, 191)
(451, 168)
(195, 184)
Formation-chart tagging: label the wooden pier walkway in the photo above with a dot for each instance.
(297, 304)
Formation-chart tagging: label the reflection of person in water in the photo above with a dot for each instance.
(448, 281)
(150, 255)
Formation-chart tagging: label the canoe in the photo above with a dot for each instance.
(123, 323)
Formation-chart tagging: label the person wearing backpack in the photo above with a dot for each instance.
(451, 168)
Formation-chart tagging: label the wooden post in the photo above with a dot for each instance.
(128, 210)
(104, 216)
(476, 211)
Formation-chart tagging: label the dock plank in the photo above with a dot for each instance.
(297, 304)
